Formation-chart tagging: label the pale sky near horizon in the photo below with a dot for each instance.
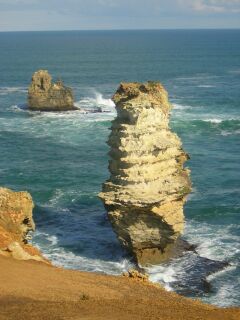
(21, 15)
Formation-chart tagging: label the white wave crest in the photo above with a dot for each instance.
(18, 108)
(8, 90)
(163, 275)
(197, 77)
(206, 86)
(177, 106)
(49, 246)
(230, 133)
(237, 71)
(213, 242)
(220, 272)
(97, 103)
(104, 102)
(213, 120)
(50, 240)
(219, 120)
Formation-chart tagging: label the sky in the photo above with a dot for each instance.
(34, 15)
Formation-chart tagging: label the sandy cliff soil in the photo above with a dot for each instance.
(33, 290)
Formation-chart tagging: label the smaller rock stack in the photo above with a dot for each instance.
(148, 185)
(43, 95)
(15, 223)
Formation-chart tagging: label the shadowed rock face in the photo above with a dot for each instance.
(44, 95)
(148, 185)
(15, 223)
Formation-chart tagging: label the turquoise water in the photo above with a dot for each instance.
(61, 159)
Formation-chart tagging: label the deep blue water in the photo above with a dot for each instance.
(61, 159)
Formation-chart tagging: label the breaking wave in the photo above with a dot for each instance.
(9, 90)
(177, 106)
(59, 256)
(205, 86)
(96, 104)
(218, 120)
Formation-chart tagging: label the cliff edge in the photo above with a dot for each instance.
(43, 95)
(15, 223)
(148, 184)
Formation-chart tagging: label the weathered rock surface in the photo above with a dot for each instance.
(136, 275)
(44, 95)
(148, 185)
(15, 223)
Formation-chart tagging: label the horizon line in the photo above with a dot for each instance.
(141, 29)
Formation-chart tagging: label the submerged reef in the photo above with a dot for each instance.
(16, 222)
(148, 184)
(43, 95)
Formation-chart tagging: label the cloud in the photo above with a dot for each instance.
(94, 8)
(213, 6)
(124, 6)
(118, 14)
(13, 3)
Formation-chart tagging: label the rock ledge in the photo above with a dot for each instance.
(15, 223)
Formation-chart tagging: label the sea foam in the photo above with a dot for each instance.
(49, 246)
(96, 103)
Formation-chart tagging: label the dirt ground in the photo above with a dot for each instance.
(33, 290)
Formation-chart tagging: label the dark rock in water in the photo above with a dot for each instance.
(22, 106)
(43, 95)
(180, 247)
(96, 110)
(192, 279)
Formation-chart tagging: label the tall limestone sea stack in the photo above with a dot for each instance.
(148, 185)
(43, 95)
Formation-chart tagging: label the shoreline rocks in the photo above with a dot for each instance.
(43, 95)
(16, 222)
(148, 184)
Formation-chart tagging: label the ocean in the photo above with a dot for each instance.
(61, 158)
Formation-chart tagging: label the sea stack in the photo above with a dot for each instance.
(148, 184)
(16, 222)
(43, 95)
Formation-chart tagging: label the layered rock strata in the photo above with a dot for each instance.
(148, 185)
(16, 222)
(44, 95)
